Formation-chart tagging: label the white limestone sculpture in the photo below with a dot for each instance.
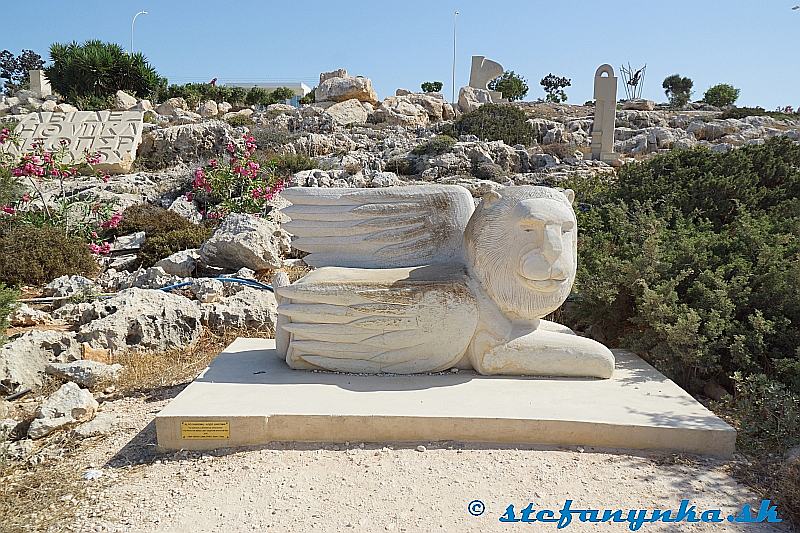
(482, 71)
(415, 279)
(605, 113)
(39, 83)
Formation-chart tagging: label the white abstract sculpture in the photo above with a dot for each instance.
(414, 279)
(482, 71)
(605, 114)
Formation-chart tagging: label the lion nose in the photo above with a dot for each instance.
(552, 246)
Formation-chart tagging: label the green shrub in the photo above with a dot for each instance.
(513, 86)
(678, 89)
(436, 146)
(742, 112)
(310, 98)
(494, 122)
(8, 299)
(239, 120)
(11, 187)
(151, 219)
(93, 102)
(100, 69)
(291, 163)
(14, 70)
(431, 86)
(162, 245)
(31, 255)
(237, 96)
(400, 165)
(281, 94)
(721, 95)
(257, 96)
(693, 260)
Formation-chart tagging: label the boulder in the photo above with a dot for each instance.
(47, 105)
(244, 240)
(401, 111)
(273, 110)
(141, 319)
(68, 405)
(208, 290)
(183, 263)
(65, 108)
(26, 316)
(87, 374)
(123, 101)
(24, 358)
(144, 105)
(102, 424)
(186, 209)
(189, 142)
(171, 106)
(341, 88)
(224, 107)
(347, 112)
(639, 104)
(470, 98)
(66, 286)
(208, 108)
(248, 308)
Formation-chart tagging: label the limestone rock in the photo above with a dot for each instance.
(209, 108)
(102, 424)
(24, 358)
(87, 374)
(401, 111)
(186, 209)
(247, 308)
(338, 73)
(639, 104)
(66, 286)
(141, 319)
(273, 110)
(68, 405)
(208, 290)
(123, 101)
(189, 142)
(47, 105)
(183, 263)
(133, 241)
(244, 240)
(339, 89)
(224, 107)
(470, 98)
(171, 106)
(65, 108)
(347, 112)
(26, 316)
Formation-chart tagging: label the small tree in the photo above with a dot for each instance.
(310, 98)
(721, 95)
(554, 87)
(14, 69)
(280, 94)
(678, 89)
(432, 86)
(512, 85)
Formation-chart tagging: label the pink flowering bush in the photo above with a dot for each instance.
(236, 184)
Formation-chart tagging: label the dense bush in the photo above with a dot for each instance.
(436, 146)
(693, 260)
(310, 98)
(161, 245)
(742, 112)
(8, 298)
(31, 255)
(678, 89)
(493, 122)
(98, 69)
(431, 86)
(291, 163)
(721, 95)
(513, 86)
(151, 219)
(239, 120)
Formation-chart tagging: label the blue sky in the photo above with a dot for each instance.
(751, 44)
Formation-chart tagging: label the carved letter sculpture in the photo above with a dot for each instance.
(415, 279)
(605, 114)
(482, 71)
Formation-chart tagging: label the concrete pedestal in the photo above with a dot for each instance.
(247, 396)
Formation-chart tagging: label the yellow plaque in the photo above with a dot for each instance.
(206, 429)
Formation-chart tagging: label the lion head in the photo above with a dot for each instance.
(521, 244)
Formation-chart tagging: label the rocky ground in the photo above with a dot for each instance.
(120, 482)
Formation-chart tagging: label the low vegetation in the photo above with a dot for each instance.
(194, 93)
(494, 122)
(721, 95)
(436, 146)
(678, 90)
(8, 299)
(512, 85)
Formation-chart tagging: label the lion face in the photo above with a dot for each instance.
(522, 247)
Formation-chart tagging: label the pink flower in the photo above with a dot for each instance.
(7, 209)
(102, 249)
(4, 135)
(94, 235)
(94, 158)
(230, 148)
(106, 178)
(113, 222)
(213, 163)
(189, 196)
(26, 197)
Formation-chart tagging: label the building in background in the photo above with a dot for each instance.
(300, 89)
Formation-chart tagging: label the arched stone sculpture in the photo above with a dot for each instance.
(605, 114)
(482, 71)
(414, 279)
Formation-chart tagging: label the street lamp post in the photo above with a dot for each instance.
(134, 22)
(453, 95)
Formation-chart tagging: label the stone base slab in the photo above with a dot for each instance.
(249, 397)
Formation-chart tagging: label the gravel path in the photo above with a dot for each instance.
(358, 487)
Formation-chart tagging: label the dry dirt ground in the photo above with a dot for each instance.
(356, 487)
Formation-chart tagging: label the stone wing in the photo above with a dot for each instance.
(384, 320)
(385, 227)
